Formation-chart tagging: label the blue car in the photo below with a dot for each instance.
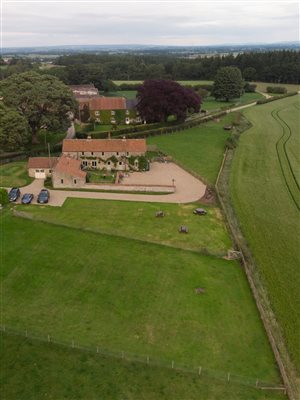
(43, 196)
(14, 194)
(27, 198)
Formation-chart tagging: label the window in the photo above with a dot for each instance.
(127, 154)
(127, 112)
(108, 163)
(113, 112)
(117, 153)
(112, 120)
(84, 163)
(75, 181)
(50, 170)
(82, 153)
(42, 170)
(103, 153)
(94, 163)
(92, 153)
(97, 113)
(127, 120)
(120, 162)
(61, 181)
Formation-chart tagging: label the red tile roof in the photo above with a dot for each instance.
(105, 145)
(42, 162)
(69, 166)
(107, 103)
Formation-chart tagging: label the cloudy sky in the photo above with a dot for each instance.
(65, 22)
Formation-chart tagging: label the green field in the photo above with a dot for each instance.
(199, 149)
(14, 174)
(46, 371)
(192, 83)
(210, 104)
(129, 94)
(132, 296)
(206, 233)
(265, 192)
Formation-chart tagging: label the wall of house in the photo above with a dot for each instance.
(32, 171)
(60, 180)
(89, 155)
(106, 117)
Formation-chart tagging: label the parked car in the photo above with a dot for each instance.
(43, 196)
(14, 194)
(200, 211)
(27, 198)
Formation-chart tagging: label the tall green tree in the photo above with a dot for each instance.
(14, 132)
(228, 83)
(43, 100)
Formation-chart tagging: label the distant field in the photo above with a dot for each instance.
(129, 94)
(200, 149)
(14, 174)
(137, 297)
(210, 103)
(193, 83)
(265, 192)
(34, 370)
(262, 86)
(205, 233)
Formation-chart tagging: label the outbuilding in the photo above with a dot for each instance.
(41, 167)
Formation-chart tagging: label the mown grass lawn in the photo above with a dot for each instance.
(199, 149)
(262, 86)
(14, 174)
(125, 295)
(138, 221)
(268, 215)
(33, 370)
(210, 104)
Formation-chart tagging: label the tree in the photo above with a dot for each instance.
(14, 132)
(250, 74)
(228, 83)
(159, 99)
(42, 100)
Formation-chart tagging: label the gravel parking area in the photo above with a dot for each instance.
(187, 188)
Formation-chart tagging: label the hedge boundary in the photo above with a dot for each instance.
(264, 101)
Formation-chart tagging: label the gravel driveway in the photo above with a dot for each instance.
(188, 188)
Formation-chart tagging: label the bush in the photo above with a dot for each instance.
(3, 196)
(249, 87)
(276, 89)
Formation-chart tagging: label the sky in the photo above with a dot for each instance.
(65, 22)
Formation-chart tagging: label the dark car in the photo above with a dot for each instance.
(27, 198)
(43, 196)
(200, 211)
(14, 194)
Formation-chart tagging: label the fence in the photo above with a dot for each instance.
(261, 298)
(148, 360)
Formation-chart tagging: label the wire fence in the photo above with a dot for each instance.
(199, 370)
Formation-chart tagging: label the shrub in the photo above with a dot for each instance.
(276, 89)
(249, 87)
(3, 196)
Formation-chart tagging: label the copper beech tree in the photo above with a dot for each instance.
(158, 99)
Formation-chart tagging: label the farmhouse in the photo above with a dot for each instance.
(109, 110)
(80, 91)
(41, 167)
(109, 154)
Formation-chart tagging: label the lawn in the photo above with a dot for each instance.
(206, 233)
(33, 370)
(210, 104)
(99, 176)
(129, 94)
(199, 149)
(137, 297)
(265, 195)
(14, 174)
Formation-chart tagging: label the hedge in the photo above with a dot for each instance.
(3, 196)
(263, 101)
(276, 89)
